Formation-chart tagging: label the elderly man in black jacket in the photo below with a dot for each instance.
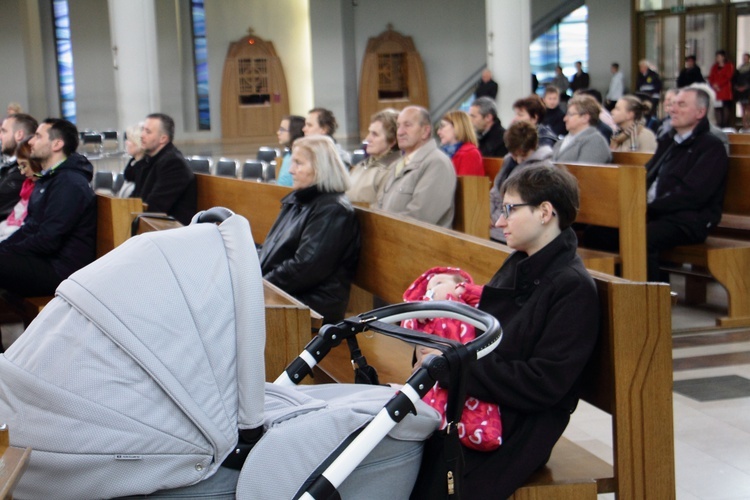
(166, 182)
(686, 179)
(58, 236)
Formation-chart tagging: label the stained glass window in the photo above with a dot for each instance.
(200, 60)
(64, 50)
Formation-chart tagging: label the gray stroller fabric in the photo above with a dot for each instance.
(127, 382)
(305, 424)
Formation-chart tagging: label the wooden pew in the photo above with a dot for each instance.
(629, 377)
(491, 167)
(615, 196)
(739, 138)
(472, 215)
(289, 322)
(13, 463)
(113, 219)
(739, 149)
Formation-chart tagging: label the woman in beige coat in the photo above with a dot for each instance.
(382, 150)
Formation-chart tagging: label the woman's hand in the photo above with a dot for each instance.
(421, 353)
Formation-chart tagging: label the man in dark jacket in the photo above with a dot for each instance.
(483, 116)
(690, 74)
(166, 182)
(58, 236)
(13, 130)
(686, 179)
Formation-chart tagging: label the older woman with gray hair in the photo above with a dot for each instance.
(134, 168)
(312, 249)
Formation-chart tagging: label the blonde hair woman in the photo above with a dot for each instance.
(312, 249)
(459, 141)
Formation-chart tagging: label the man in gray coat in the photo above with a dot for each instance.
(422, 183)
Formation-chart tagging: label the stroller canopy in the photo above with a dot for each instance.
(137, 376)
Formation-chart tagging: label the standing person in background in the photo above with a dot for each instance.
(487, 87)
(369, 175)
(616, 87)
(649, 83)
(690, 74)
(561, 83)
(289, 131)
(459, 142)
(579, 80)
(720, 79)
(742, 89)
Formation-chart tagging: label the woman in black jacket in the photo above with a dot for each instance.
(313, 247)
(547, 305)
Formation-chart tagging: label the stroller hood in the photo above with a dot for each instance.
(138, 374)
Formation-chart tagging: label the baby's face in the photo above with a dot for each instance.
(440, 285)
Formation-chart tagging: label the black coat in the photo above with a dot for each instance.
(689, 76)
(61, 221)
(168, 184)
(486, 89)
(555, 119)
(491, 143)
(11, 180)
(548, 307)
(579, 81)
(692, 180)
(312, 250)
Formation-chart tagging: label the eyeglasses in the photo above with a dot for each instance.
(573, 114)
(507, 209)
(283, 130)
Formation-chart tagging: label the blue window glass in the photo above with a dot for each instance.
(200, 61)
(64, 50)
(563, 44)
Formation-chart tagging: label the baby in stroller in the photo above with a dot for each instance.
(480, 427)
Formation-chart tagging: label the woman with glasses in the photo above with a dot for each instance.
(28, 167)
(289, 131)
(584, 143)
(548, 307)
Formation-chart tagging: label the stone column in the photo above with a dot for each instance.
(508, 39)
(135, 59)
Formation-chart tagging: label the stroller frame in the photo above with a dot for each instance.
(453, 363)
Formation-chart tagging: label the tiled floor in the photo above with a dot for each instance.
(712, 438)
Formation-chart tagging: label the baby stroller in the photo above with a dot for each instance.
(146, 368)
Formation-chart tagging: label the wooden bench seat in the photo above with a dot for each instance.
(13, 463)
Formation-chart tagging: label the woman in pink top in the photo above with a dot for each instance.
(29, 168)
(458, 140)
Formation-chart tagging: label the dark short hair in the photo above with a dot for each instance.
(486, 107)
(691, 57)
(616, 65)
(296, 123)
(521, 136)
(533, 105)
(326, 119)
(538, 183)
(65, 131)
(26, 122)
(167, 124)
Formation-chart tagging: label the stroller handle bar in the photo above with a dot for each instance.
(379, 320)
(216, 215)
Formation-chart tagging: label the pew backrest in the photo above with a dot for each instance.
(113, 219)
